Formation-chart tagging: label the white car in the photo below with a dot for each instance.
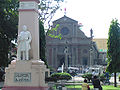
(59, 69)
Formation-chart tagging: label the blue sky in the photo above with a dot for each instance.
(95, 14)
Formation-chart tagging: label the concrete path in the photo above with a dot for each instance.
(80, 79)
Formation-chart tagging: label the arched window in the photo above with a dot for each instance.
(64, 31)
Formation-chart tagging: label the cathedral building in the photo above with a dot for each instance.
(73, 49)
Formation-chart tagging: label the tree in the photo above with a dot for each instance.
(8, 27)
(42, 41)
(113, 53)
(9, 23)
(47, 9)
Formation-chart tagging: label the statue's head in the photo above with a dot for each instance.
(24, 28)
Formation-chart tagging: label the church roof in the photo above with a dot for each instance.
(65, 18)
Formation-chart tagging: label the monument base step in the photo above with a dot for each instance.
(24, 88)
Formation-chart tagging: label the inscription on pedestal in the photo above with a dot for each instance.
(27, 5)
(22, 77)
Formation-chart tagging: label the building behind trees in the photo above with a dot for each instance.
(82, 51)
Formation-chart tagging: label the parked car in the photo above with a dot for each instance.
(95, 71)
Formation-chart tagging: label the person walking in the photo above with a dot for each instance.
(107, 77)
(96, 83)
(85, 85)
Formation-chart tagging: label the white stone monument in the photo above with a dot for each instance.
(24, 40)
(27, 72)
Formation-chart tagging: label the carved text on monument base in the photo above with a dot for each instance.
(22, 77)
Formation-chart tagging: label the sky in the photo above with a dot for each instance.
(95, 14)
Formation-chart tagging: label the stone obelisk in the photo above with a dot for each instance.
(27, 74)
(28, 15)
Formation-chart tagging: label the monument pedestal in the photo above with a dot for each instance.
(25, 88)
(26, 75)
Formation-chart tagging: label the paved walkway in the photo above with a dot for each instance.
(80, 79)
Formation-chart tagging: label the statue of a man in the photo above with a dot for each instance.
(24, 39)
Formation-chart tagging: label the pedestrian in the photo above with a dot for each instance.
(107, 78)
(96, 83)
(85, 85)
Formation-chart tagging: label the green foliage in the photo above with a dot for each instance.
(47, 9)
(62, 76)
(42, 42)
(59, 36)
(59, 76)
(4, 51)
(8, 27)
(113, 44)
(102, 77)
(55, 29)
(55, 36)
(87, 76)
(119, 77)
(105, 87)
(50, 79)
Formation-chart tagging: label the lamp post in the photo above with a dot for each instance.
(66, 55)
(91, 51)
(69, 58)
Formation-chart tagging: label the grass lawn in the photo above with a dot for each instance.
(107, 87)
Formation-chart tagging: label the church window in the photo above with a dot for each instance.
(64, 31)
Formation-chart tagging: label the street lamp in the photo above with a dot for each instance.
(66, 55)
(91, 51)
(69, 58)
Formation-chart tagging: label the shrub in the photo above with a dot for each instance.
(62, 76)
(50, 79)
(88, 76)
(119, 77)
(59, 76)
(102, 77)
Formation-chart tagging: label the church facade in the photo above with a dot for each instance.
(73, 49)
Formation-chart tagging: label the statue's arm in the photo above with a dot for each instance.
(30, 37)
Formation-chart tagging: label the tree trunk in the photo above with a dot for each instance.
(115, 83)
